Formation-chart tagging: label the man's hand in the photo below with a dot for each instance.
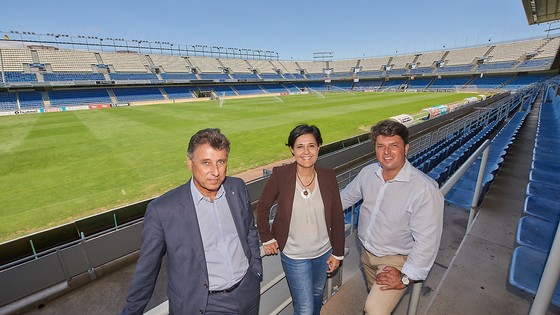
(332, 264)
(389, 279)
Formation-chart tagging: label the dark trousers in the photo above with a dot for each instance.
(244, 300)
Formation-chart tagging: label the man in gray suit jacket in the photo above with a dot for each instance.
(206, 229)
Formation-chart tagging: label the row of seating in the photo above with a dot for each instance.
(70, 97)
(462, 193)
(537, 228)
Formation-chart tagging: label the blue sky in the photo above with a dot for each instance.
(293, 28)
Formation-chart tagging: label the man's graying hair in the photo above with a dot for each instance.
(212, 136)
(389, 128)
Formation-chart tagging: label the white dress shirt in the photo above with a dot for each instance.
(403, 216)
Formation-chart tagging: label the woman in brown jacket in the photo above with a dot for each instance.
(308, 226)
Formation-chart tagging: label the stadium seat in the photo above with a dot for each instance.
(527, 266)
(536, 233)
(546, 209)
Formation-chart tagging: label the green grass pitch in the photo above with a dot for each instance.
(59, 167)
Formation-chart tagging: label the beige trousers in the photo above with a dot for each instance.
(380, 302)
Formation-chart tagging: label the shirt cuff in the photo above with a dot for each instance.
(269, 242)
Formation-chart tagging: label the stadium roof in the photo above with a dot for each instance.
(541, 11)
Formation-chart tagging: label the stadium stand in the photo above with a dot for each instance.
(514, 51)
(245, 76)
(271, 76)
(14, 59)
(457, 69)
(12, 76)
(341, 85)
(447, 83)
(221, 77)
(402, 61)
(437, 70)
(371, 74)
(549, 50)
(373, 64)
(237, 66)
(497, 66)
(537, 229)
(247, 89)
(314, 70)
(287, 67)
(170, 64)
(291, 87)
(428, 59)
(137, 94)
(274, 88)
(421, 71)
(393, 84)
(462, 193)
(365, 85)
(419, 83)
(121, 76)
(178, 76)
(178, 92)
(524, 80)
(342, 68)
(68, 60)
(72, 76)
(30, 100)
(263, 66)
(465, 56)
(125, 62)
(491, 81)
(8, 101)
(221, 90)
(206, 64)
(70, 98)
(536, 63)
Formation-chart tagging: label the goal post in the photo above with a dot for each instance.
(472, 88)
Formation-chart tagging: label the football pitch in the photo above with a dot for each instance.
(59, 167)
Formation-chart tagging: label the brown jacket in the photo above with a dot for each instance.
(280, 187)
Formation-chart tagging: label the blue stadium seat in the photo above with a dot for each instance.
(540, 207)
(536, 233)
(543, 189)
(545, 175)
(527, 266)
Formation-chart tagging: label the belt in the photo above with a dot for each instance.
(228, 290)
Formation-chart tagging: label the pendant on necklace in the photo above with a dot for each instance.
(305, 193)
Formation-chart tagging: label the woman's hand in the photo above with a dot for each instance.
(332, 264)
(271, 249)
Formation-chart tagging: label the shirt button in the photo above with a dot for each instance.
(206, 285)
(201, 311)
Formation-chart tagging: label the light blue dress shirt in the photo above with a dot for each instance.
(225, 259)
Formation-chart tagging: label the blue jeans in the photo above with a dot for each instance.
(306, 279)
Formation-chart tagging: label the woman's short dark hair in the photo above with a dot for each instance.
(304, 129)
(389, 128)
(212, 136)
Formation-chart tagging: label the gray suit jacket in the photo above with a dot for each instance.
(171, 227)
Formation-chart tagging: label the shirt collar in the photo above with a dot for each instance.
(198, 197)
(402, 176)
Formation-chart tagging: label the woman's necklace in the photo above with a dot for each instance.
(305, 192)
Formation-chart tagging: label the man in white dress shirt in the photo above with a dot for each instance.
(400, 222)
